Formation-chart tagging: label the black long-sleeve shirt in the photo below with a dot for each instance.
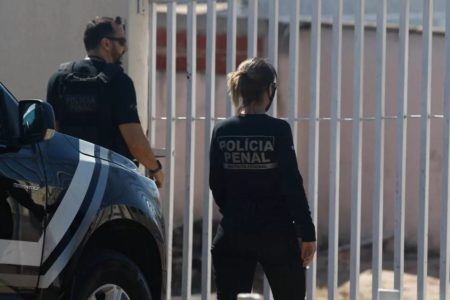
(254, 176)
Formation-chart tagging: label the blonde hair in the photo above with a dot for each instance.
(249, 81)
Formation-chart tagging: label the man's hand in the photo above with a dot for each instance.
(308, 249)
(158, 177)
(140, 149)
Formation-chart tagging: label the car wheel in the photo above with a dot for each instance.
(109, 275)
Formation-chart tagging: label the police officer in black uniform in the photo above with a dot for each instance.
(95, 100)
(256, 183)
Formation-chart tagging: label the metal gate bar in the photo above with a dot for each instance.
(313, 149)
(151, 74)
(377, 251)
(252, 29)
(422, 257)
(231, 47)
(272, 47)
(358, 78)
(402, 122)
(272, 50)
(209, 114)
(335, 146)
(170, 136)
(188, 220)
(294, 38)
(445, 208)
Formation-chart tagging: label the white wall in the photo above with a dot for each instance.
(37, 35)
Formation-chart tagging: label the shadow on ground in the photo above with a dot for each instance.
(344, 260)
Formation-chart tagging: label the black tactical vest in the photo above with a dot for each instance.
(85, 102)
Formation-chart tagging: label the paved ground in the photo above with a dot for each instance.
(365, 278)
(410, 285)
(410, 277)
(409, 291)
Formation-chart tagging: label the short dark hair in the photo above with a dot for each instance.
(99, 28)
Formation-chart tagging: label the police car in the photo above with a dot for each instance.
(77, 221)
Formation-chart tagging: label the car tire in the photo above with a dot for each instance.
(108, 272)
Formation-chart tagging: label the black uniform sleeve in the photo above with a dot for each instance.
(216, 182)
(125, 106)
(52, 93)
(292, 186)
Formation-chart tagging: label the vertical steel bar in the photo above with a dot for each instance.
(190, 150)
(294, 40)
(151, 74)
(422, 258)
(209, 114)
(252, 49)
(445, 208)
(231, 47)
(170, 137)
(402, 107)
(358, 85)
(273, 44)
(335, 145)
(313, 149)
(377, 256)
(273, 58)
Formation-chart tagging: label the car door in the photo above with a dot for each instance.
(22, 204)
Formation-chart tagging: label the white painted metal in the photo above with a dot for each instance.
(313, 149)
(252, 30)
(188, 223)
(402, 122)
(422, 237)
(267, 291)
(335, 145)
(231, 47)
(294, 40)
(151, 74)
(170, 138)
(445, 207)
(272, 47)
(209, 109)
(377, 236)
(358, 76)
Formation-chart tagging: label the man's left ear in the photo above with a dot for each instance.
(271, 93)
(105, 43)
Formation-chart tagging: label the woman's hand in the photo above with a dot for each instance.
(308, 249)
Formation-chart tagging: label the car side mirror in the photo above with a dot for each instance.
(37, 121)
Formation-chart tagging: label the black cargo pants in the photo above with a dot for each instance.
(235, 254)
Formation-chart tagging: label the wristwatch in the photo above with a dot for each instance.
(154, 171)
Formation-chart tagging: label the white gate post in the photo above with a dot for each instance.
(138, 39)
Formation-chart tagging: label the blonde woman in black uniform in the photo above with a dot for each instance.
(256, 183)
